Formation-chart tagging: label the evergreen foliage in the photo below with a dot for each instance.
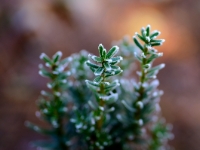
(53, 104)
(98, 104)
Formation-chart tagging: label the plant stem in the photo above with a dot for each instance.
(60, 134)
(141, 89)
(101, 104)
(60, 129)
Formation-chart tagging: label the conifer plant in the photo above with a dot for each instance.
(99, 118)
(94, 104)
(53, 103)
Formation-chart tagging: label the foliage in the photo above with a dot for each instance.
(53, 105)
(98, 103)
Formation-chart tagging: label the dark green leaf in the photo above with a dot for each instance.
(138, 57)
(152, 74)
(107, 66)
(154, 34)
(142, 38)
(92, 65)
(114, 62)
(151, 58)
(94, 86)
(118, 58)
(45, 58)
(146, 66)
(148, 30)
(57, 56)
(45, 73)
(156, 44)
(98, 79)
(115, 67)
(112, 86)
(99, 71)
(101, 48)
(104, 53)
(143, 32)
(66, 61)
(113, 51)
(92, 105)
(113, 73)
(93, 69)
(161, 66)
(97, 59)
(158, 41)
(138, 43)
(64, 75)
(111, 98)
(92, 83)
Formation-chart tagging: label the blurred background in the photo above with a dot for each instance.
(28, 28)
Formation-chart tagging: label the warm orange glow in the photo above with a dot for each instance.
(178, 38)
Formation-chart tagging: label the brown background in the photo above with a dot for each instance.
(29, 27)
